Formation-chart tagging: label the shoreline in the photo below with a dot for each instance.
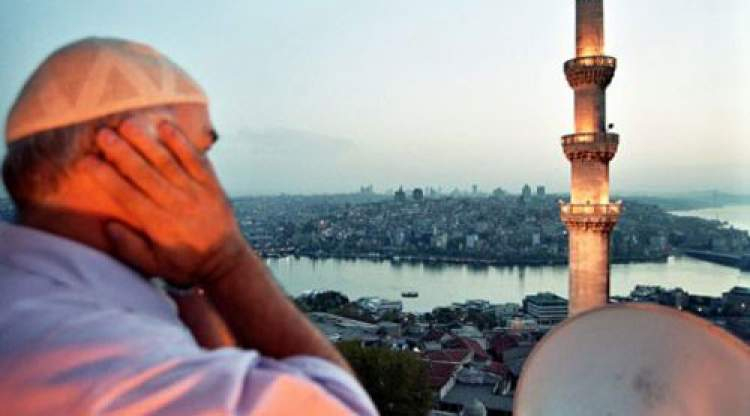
(455, 261)
(727, 214)
(449, 283)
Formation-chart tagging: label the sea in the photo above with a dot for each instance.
(737, 216)
(443, 284)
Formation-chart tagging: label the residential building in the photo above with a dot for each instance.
(547, 308)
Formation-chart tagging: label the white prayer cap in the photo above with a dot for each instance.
(95, 77)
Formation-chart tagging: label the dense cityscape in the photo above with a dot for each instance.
(466, 358)
(470, 227)
(472, 353)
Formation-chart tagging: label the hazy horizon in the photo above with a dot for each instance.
(326, 96)
(387, 192)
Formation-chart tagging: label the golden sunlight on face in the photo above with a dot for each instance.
(80, 193)
(194, 121)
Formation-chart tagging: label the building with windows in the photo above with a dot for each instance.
(417, 194)
(526, 192)
(547, 308)
(400, 195)
(737, 301)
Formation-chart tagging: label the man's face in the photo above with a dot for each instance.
(194, 121)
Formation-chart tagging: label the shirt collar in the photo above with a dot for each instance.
(81, 268)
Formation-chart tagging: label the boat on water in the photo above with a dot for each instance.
(409, 294)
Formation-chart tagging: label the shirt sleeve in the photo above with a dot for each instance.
(233, 381)
(334, 380)
(109, 362)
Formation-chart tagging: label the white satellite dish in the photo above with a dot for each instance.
(636, 359)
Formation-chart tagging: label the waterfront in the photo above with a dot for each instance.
(444, 284)
(737, 215)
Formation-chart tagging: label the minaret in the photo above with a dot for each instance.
(589, 217)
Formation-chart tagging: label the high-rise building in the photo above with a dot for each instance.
(498, 193)
(590, 216)
(526, 192)
(541, 191)
(400, 195)
(417, 194)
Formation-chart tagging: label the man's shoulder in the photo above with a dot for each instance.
(38, 310)
(25, 291)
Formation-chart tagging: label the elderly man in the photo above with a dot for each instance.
(106, 167)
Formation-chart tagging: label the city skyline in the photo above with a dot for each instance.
(432, 93)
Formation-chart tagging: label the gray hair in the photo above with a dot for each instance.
(35, 165)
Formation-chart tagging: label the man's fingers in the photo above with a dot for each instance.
(122, 191)
(142, 135)
(204, 321)
(193, 162)
(131, 247)
(133, 166)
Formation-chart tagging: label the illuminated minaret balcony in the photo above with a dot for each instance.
(593, 217)
(590, 70)
(590, 146)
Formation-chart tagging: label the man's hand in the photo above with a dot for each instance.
(204, 321)
(191, 237)
(187, 233)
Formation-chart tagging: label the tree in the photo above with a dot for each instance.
(396, 380)
(483, 320)
(327, 301)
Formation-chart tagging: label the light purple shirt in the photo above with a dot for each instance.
(81, 333)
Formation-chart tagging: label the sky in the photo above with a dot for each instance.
(324, 96)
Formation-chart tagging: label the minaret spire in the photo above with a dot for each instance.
(589, 217)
